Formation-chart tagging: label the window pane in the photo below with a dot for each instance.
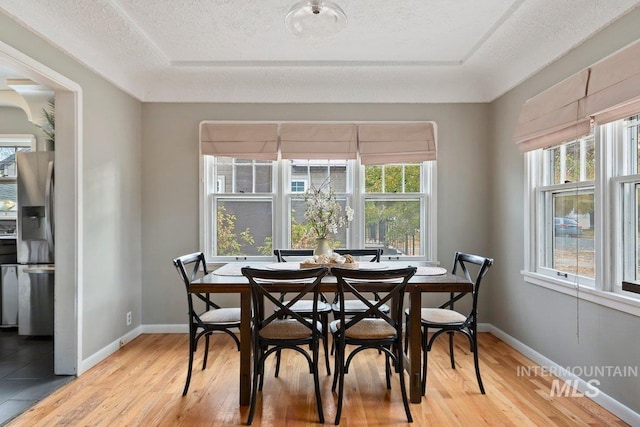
(393, 178)
(243, 227)
(8, 191)
(394, 225)
(572, 245)
(7, 161)
(373, 179)
(631, 232)
(633, 138)
(318, 171)
(263, 179)
(302, 235)
(244, 176)
(572, 162)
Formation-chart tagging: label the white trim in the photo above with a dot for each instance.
(625, 413)
(18, 140)
(68, 347)
(607, 299)
(108, 350)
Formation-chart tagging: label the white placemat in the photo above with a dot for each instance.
(283, 266)
(229, 270)
(430, 271)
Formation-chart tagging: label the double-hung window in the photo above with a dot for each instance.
(584, 214)
(565, 210)
(250, 207)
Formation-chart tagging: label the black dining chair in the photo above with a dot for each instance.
(372, 328)
(284, 328)
(444, 319)
(213, 318)
(304, 308)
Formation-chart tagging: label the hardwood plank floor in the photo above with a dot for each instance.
(141, 385)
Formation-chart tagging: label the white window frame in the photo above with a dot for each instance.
(611, 165)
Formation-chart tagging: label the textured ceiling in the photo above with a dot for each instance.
(390, 51)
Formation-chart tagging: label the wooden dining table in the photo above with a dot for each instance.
(228, 279)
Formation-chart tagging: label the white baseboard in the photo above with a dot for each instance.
(623, 412)
(108, 350)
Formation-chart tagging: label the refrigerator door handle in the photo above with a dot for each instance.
(48, 207)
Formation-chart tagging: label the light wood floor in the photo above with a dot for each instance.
(142, 385)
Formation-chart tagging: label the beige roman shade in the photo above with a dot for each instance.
(614, 87)
(555, 115)
(255, 141)
(318, 141)
(396, 143)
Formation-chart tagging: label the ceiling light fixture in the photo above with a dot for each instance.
(315, 19)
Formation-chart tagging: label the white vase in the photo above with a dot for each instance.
(323, 247)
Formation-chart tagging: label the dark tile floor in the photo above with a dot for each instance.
(26, 372)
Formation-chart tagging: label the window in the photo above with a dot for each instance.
(259, 205)
(243, 203)
(584, 213)
(566, 210)
(628, 186)
(9, 146)
(298, 186)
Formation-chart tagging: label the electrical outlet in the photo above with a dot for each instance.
(128, 318)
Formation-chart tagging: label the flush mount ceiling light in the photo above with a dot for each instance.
(315, 19)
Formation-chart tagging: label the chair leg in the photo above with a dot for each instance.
(278, 353)
(316, 380)
(192, 349)
(254, 388)
(387, 371)
(206, 352)
(336, 369)
(453, 362)
(340, 373)
(425, 351)
(403, 387)
(325, 340)
(476, 362)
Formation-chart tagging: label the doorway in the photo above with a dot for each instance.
(67, 211)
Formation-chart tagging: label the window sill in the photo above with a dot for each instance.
(607, 299)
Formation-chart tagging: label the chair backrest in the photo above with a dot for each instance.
(282, 254)
(388, 284)
(462, 265)
(374, 253)
(298, 283)
(189, 268)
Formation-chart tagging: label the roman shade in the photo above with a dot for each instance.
(318, 141)
(396, 143)
(255, 141)
(614, 87)
(555, 115)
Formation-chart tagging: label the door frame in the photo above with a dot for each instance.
(68, 207)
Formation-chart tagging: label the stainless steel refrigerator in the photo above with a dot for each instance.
(35, 242)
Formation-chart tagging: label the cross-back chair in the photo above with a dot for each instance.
(202, 323)
(372, 328)
(444, 319)
(284, 328)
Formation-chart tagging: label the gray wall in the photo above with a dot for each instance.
(14, 121)
(111, 197)
(545, 320)
(170, 182)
